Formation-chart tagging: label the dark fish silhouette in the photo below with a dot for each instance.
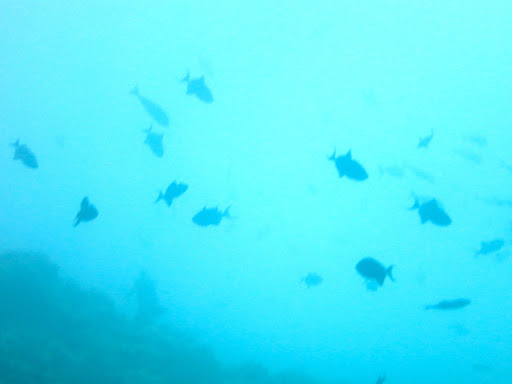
(381, 379)
(312, 280)
(346, 166)
(373, 270)
(210, 216)
(433, 212)
(491, 246)
(25, 155)
(153, 109)
(155, 142)
(425, 141)
(87, 212)
(449, 304)
(173, 191)
(198, 87)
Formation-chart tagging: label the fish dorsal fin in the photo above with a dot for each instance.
(349, 154)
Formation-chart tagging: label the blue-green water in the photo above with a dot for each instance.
(291, 82)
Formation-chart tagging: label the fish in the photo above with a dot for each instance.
(210, 216)
(433, 212)
(87, 212)
(173, 191)
(155, 142)
(154, 110)
(393, 170)
(381, 379)
(198, 88)
(312, 280)
(25, 155)
(346, 166)
(374, 271)
(468, 155)
(482, 368)
(491, 246)
(425, 141)
(449, 304)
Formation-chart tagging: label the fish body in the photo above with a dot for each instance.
(153, 109)
(312, 280)
(173, 191)
(346, 166)
(491, 246)
(210, 216)
(87, 212)
(198, 88)
(374, 271)
(449, 304)
(155, 142)
(433, 212)
(381, 379)
(425, 141)
(25, 155)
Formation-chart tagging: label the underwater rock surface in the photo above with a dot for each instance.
(53, 331)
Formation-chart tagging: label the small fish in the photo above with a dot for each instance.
(210, 216)
(482, 368)
(468, 155)
(425, 141)
(346, 166)
(87, 212)
(381, 379)
(433, 212)
(497, 202)
(374, 271)
(449, 304)
(393, 170)
(420, 173)
(198, 87)
(173, 191)
(155, 142)
(491, 246)
(153, 109)
(25, 155)
(312, 280)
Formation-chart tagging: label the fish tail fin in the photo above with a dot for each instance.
(186, 78)
(333, 156)
(135, 91)
(226, 213)
(389, 272)
(160, 197)
(428, 307)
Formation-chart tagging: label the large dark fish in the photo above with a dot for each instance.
(381, 379)
(373, 270)
(155, 142)
(198, 87)
(346, 166)
(210, 216)
(25, 155)
(449, 304)
(153, 109)
(433, 212)
(425, 141)
(312, 280)
(87, 212)
(173, 191)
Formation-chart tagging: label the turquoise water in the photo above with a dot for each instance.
(291, 81)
